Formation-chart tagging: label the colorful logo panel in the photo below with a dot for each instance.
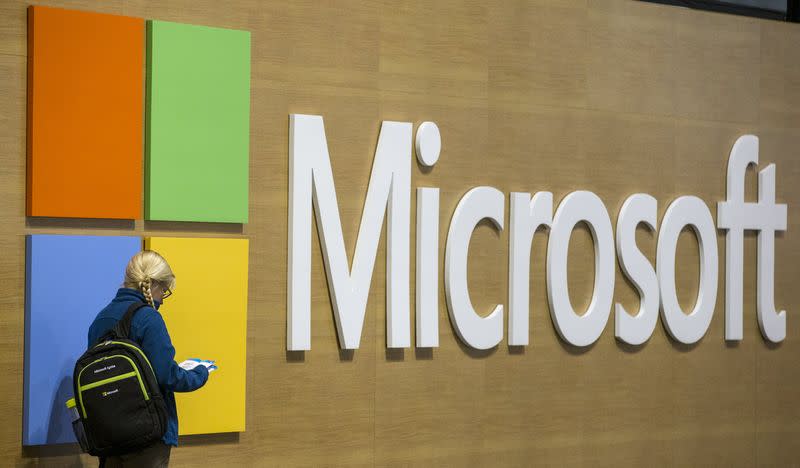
(207, 318)
(198, 123)
(85, 114)
(69, 279)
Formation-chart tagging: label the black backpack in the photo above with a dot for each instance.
(117, 397)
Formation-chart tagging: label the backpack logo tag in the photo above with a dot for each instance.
(103, 369)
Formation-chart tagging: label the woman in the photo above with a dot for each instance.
(148, 278)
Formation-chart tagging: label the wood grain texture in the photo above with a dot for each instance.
(611, 96)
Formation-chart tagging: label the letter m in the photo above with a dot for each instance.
(311, 178)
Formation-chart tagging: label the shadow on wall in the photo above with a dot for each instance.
(210, 439)
(49, 223)
(59, 428)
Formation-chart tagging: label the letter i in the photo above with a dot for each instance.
(428, 146)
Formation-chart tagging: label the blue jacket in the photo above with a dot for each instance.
(149, 330)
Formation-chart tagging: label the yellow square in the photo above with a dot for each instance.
(207, 319)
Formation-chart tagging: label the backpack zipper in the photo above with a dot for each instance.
(106, 343)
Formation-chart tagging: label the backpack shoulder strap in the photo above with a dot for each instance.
(122, 329)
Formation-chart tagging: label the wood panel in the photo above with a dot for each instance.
(611, 96)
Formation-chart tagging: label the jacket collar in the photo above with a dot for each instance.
(128, 295)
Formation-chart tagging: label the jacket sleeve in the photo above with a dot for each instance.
(157, 345)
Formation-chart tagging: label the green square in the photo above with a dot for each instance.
(197, 123)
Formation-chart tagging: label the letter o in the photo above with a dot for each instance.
(573, 328)
(692, 212)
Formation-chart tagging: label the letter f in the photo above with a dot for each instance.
(765, 217)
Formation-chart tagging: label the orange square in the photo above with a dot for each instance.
(85, 114)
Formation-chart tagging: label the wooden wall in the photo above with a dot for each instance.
(615, 97)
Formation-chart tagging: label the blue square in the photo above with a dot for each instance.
(69, 279)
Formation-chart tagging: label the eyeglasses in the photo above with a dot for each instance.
(167, 293)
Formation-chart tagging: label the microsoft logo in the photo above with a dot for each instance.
(133, 119)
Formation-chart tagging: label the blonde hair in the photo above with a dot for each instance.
(146, 269)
